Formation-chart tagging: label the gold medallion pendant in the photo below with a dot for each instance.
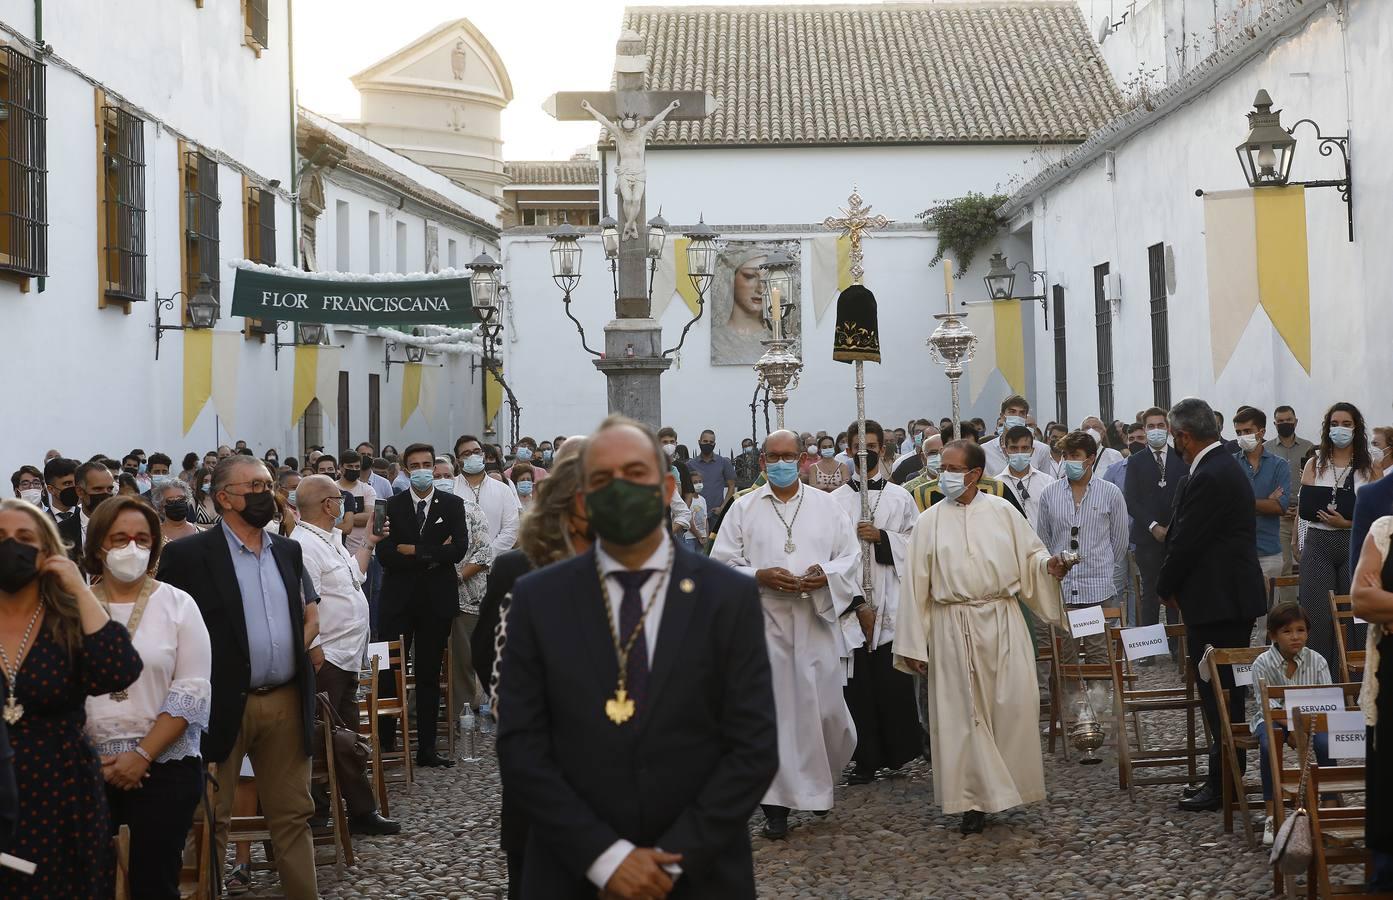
(14, 711)
(620, 707)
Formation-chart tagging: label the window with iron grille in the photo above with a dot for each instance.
(259, 216)
(1102, 310)
(1160, 327)
(23, 165)
(123, 204)
(258, 23)
(1061, 359)
(201, 205)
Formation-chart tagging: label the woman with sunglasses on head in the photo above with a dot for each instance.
(1342, 465)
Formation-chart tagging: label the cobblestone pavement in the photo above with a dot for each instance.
(883, 840)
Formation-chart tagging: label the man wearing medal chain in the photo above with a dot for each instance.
(647, 664)
(793, 539)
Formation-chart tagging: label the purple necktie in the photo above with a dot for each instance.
(630, 612)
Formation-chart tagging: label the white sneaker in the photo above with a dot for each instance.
(1269, 831)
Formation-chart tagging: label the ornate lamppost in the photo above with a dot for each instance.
(952, 345)
(485, 288)
(202, 307)
(780, 366)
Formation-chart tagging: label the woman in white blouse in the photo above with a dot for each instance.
(148, 735)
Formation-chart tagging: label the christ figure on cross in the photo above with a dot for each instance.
(629, 139)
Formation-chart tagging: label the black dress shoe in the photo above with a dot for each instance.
(775, 822)
(1192, 790)
(317, 821)
(822, 813)
(432, 760)
(973, 822)
(1207, 800)
(860, 776)
(373, 823)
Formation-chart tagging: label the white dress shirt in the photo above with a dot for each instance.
(602, 869)
(1027, 488)
(343, 608)
(501, 506)
(1040, 456)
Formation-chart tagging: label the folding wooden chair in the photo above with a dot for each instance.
(1337, 832)
(1129, 700)
(195, 876)
(1234, 737)
(1276, 583)
(1286, 779)
(1351, 662)
(388, 766)
(1075, 672)
(334, 835)
(445, 704)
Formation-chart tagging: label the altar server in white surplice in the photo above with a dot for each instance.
(881, 699)
(792, 539)
(971, 558)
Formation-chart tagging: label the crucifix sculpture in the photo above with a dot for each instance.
(633, 360)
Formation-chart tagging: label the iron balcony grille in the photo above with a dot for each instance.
(125, 205)
(1160, 327)
(258, 21)
(1102, 309)
(261, 242)
(23, 165)
(1061, 359)
(201, 198)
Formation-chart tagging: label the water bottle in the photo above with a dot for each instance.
(468, 735)
(486, 723)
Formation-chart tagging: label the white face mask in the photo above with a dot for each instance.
(1097, 435)
(670, 449)
(128, 563)
(952, 484)
(1156, 438)
(31, 495)
(1248, 442)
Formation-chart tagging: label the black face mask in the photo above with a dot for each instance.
(706, 448)
(18, 565)
(93, 501)
(1136, 446)
(872, 460)
(351, 475)
(176, 510)
(1286, 429)
(68, 497)
(260, 509)
(625, 512)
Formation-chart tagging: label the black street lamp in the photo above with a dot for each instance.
(202, 310)
(414, 354)
(565, 268)
(1267, 153)
(701, 267)
(308, 334)
(1001, 284)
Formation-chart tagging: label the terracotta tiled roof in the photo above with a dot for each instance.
(560, 171)
(973, 72)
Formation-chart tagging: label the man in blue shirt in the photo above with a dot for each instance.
(1271, 478)
(717, 473)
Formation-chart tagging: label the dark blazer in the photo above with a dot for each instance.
(202, 566)
(1370, 502)
(1211, 565)
(685, 775)
(70, 530)
(426, 581)
(1147, 501)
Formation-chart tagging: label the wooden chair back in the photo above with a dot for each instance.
(1337, 832)
(122, 844)
(1073, 674)
(1233, 737)
(1350, 662)
(1277, 583)
(443, 707)
(195, 876)
(389, 766)
(1132, 701)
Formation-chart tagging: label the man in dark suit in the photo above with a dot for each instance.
(247, 584)
(667, 753)
(93, 483)
(1371, 502)
(428, 535)
(1152, 477)
(1211, 569)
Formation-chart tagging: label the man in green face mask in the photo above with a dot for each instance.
(637, 650)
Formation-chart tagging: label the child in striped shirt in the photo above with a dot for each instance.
(1287, 663)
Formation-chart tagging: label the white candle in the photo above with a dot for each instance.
(776, 314)
(948, 282)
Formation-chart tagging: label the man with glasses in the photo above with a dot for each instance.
(28, 483)
(791, 538)
(247, 584)
(1152, 477)
(971, 557)
(499, 502)
(1086, 515)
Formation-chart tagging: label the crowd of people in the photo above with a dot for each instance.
(702, 641)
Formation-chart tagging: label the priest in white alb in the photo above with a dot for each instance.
(881, 699)
(970, 560)
(793, 538)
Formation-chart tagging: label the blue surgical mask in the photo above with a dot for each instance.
(472, 464)
(524, 454)
(1156, 438)
(1073, 469)
(290, 498)
(546, 456)
(1341, 436)
(748, 450)
(524, 488)
(934, 461)
(919, 439)
(338, 520)
(952, 484)
(782, 473)
(1019, 461)
(444, 484)
(1013, 421)
(422, 479)
(141, 468)
(828, 452)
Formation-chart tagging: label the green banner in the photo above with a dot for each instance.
(424, 301)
